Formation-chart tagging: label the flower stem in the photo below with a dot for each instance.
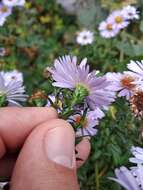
(97, 177)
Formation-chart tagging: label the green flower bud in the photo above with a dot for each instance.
(80, 93)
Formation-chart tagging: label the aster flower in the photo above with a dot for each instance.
(108, 29)
(12, 75)
(11, 3)
(138, 155)
(67, 74)
(5, 11)
(123, 83)
(118, 19)
(136, 68)
(130, 12)
(85, 37)
(137, 172)
(13, 91)
(126, 179)
(88, 124)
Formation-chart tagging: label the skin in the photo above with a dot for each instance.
(37, 150)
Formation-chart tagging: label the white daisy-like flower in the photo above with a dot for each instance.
(13, 91)
(124, 83)
(130, 12)
(85, 37)
(108, 29)
(118, 19)
(5, 10)
(12, 3)
(138, 155)
(12, 76)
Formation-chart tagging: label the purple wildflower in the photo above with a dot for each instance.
(68, 74)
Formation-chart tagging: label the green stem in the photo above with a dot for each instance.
(97, 177)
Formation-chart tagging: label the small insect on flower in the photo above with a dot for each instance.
(136, 103)
(108, 29)
(130, 12)
(85, 37)
(13, 92)
(118, 19)
(12, 3)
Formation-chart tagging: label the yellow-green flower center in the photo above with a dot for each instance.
(118, 19)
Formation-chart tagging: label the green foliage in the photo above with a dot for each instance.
(41, 31)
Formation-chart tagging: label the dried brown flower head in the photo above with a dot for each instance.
(136, 103)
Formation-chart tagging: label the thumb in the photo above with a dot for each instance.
(47, 159)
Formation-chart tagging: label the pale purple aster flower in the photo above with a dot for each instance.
(136, 68)
(12, 3)
(96, 114)
(118, 19)
(108, 29)
(5, 11)
(67, 74)
(138, 155)
(137, 172)
(130, 12)
(12, 75)
(126, 179)
(123, 83)
(85, 37)
(89, 124)
(13, 91)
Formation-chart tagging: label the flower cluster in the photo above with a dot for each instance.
(117, 20)
(89, 94)
(131, 179)
(6, 7)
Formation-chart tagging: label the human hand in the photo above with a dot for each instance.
(37, 150)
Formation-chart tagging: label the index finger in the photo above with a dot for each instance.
(16, 124)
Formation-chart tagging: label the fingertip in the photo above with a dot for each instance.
(83, 150)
